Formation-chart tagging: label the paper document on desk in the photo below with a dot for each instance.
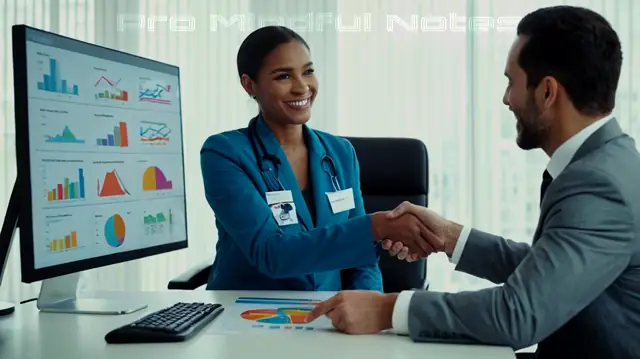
(275, 315)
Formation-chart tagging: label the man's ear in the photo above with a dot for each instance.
(549, 86)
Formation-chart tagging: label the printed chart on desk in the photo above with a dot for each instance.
(271, 315)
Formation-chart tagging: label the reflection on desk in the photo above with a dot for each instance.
(31, 334)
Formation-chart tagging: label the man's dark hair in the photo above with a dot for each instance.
(579, 48)
(255, 48)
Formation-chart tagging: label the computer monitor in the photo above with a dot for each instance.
(100, 160)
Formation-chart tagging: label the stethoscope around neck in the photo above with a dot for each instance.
(270, 174)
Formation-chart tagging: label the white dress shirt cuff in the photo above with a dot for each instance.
(400, 320)
(462, 240)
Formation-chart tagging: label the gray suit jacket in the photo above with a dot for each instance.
(576, 291)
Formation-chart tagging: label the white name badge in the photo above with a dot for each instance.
(341, 201)
(282, 207)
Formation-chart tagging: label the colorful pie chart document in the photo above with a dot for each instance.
(253, 314)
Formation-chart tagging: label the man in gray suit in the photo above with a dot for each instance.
(576, 291)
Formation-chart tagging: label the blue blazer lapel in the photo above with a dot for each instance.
(320, 180)
(285, 175)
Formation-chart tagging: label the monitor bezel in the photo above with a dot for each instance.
(31, 274)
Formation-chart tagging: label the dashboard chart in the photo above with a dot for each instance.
(66, 136)
(51, 80)
(105, 151)
(155, 91)
(106, 89)
(115, 231)
(153, 133)
(112, 185)
(68, 189)
(155, 180)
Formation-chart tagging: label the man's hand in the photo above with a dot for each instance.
(357, 312)
(406, 229)
(445, 232)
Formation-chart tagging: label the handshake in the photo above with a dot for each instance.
(411, 232)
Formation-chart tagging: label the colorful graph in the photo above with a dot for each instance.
(112, 185)
(68, 190)
(109, 90)
(114, 231)
(66, 137)
(154, 92)
(53, 83)
(154, 133)
(154, 179)
(70, 241)
(119, 137)
(155, 224)
(277, 316)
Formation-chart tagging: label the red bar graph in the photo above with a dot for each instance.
(124, 138)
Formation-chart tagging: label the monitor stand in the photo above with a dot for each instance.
(6, 238)
(59, 294)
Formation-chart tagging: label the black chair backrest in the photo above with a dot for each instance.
(394, 170)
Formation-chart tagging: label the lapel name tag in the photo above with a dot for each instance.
(282, 207)
(341, 200)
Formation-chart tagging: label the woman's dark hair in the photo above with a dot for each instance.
(255, 48)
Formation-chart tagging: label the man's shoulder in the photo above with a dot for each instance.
(616, 163)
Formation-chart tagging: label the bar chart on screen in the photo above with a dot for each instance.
(68, 189)
(116, 137)
(53, 74)
(65, 235)
(63, 180)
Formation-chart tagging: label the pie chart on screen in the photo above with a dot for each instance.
(114, 231)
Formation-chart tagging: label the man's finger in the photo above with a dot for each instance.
(337, 319)
(386, 244)
(401, 209)
(430, 242)
(322, 308)
(435, 241)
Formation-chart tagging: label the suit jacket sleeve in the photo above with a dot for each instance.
(585, 244)
(244, 214)
(491, 257)
(366, 277)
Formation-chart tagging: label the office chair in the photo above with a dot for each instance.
(392, 170)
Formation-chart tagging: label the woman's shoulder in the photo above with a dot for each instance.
(225, 141)
(338, 144)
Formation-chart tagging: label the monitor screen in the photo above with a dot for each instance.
(105, 153)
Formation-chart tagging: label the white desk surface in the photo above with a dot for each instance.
(31, 334)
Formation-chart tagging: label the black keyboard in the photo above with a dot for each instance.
(173, 324)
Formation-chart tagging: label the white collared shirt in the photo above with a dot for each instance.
(559, 160)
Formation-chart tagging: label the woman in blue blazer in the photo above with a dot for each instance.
(286, 198)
